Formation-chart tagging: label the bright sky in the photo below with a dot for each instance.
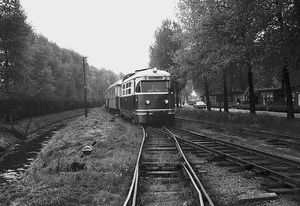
(113, 34)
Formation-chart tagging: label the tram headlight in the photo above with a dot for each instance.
(147, 102)
(166, 101)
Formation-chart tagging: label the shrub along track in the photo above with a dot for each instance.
(269, 138)
(163, 176)
(286, 171)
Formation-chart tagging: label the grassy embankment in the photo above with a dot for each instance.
(105, 180)
(108, 170)
(9, 136)
(278, 125)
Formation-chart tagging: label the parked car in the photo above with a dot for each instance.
(199, 105)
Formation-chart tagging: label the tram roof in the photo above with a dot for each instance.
(146, 72)
(140, 73)
(114, 84)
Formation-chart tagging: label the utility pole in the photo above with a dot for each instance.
(85, 108)
(102, 96)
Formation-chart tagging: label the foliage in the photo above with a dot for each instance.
(14, 36)
(226, 42)
(162, 54)
(238, 120)
(37, 76)
(164, 46)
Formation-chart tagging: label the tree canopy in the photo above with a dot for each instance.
(39, 77)
(230, 45)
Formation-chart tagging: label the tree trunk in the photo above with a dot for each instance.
(6, 76)
(251, 89)
(207, 97)
(282, 88)
(288, 91)
(11, 121)
(225, 94)
(177, 94)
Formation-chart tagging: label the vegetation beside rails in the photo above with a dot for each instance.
(264, 122)
(273, 108)
(9, 134)
(35, 123)
(61, 176)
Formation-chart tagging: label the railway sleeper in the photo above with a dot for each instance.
(159, 144)
(206, 144)
(274, 184)
(165, 180)
(225, 164)
(161, 173)
(159, 168)
(187, 148)
(165, 188)
(263, 162)
(202, 154)
(155, 192)
(295, 175)
(221, 148)
(253, 158)
(229, 151)
(284, 169)
(217, 158)
(160, 164)
(168, 200)
(257, 197)
(285, 190)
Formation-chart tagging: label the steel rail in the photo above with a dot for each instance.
(194, 178)
(195, 185)
(133, 188)
(257, 152)
(275, 175)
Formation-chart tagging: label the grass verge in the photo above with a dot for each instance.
(57, 178)
(265, 122)
(9, 136)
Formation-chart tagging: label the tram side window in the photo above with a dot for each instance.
(127, 88)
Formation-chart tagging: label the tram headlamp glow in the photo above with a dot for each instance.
(166, 101)
(147, 102)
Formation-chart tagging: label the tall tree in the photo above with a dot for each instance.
(162, 53)
(14, 35)
(281, 39)
(198, 52)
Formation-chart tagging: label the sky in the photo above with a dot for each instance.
(112, 34)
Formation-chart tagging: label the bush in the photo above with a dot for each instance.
(259, 107)
(266, 122)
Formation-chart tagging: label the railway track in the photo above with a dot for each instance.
(163, 175)
(284, 170)
(278, 140)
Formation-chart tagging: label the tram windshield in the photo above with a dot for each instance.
(152, 86)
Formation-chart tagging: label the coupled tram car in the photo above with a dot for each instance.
(144, 96)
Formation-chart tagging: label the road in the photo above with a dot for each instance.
(278, 114)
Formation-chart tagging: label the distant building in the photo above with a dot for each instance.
(266, 96)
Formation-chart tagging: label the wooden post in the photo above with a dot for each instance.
(84, 76)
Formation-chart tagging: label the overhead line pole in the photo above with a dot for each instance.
(84, 76)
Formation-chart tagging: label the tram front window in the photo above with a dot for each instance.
(158, 86)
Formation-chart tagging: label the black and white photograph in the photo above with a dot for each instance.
(149, 103)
